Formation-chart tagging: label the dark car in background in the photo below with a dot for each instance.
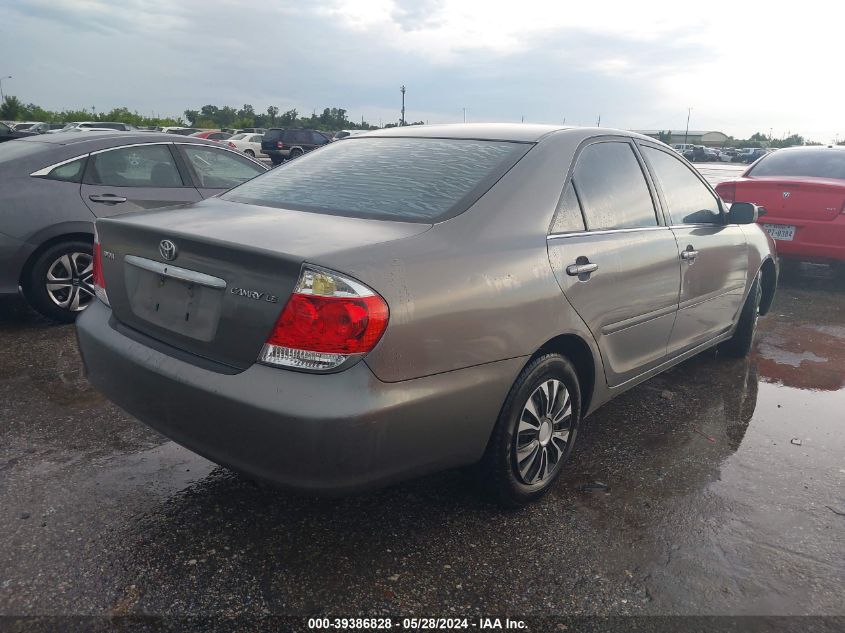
(55, 185)
(7, 133)
(421, 298)
(280, 144)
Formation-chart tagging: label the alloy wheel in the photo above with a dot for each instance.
(543, 432)
(69, 281)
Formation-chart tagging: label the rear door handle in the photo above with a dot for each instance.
(108, 198)
(574, 270)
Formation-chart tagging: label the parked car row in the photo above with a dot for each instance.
(702, 153)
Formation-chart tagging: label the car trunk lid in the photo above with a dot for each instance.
(792, 199)
(231, 270)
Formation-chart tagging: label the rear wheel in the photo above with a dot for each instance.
(740, 344)
(535, 432)
(60, 281)
(249, 153)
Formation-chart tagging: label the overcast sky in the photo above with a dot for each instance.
(742, 66)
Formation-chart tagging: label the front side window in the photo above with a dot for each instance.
(612, 188)
(403, 179)
(139, 166)
(219, 169)
(688, 199)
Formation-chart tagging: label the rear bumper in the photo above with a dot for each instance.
(822, 240)
(329, 433)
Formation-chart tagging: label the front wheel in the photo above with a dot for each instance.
(535, 432)
(740, 344)
(60, 283)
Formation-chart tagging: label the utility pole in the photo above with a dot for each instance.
(402, 120)
(2, 98)
(465, 115)
(598, 123)
(523, 118)
(686, 133)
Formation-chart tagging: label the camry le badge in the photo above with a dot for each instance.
(785, 195)
(167, 250)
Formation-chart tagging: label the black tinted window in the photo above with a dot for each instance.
(568, 216)
(689, 201)
(140, 166)
(273, 135)
(408, 179)
(816, 163)
(612, 188)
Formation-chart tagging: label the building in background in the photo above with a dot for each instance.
(693, 137)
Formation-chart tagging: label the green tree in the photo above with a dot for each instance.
(288, 119)
(272, 112)
(192, 116)
(11, 108)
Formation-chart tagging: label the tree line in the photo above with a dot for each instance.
(758, 139)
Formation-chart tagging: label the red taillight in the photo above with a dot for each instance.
(727, 191)
(327, 319)
(232, 145)
(279, 145)
(97, 278)
(333, 325)
(97, 275)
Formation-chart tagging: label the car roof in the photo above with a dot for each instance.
(82, 142)
(515, 132)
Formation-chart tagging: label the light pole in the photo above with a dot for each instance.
(2, 98)
(465, 115)
(686, 133)
(402, 120)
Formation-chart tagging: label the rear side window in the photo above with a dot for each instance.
(689, 201)
(139, 166)
(612, 188)
(568, 216)
(814, 163)
(405, 179)
(273, 135)
(69, 172)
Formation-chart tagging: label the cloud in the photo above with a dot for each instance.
(638, 65)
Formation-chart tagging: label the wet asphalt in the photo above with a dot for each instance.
(723, 493)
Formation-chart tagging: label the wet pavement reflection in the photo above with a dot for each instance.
(714, 488)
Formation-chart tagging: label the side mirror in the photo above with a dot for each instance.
(743, 213)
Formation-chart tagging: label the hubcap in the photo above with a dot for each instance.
(543, 432)
(69, 281)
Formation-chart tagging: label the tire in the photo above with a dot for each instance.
(740, 344)
(295, 153)
(276, 160)
(249, 153)
(59, 282)
(513, 473)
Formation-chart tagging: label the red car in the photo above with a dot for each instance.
(803, 191)
(212, 135)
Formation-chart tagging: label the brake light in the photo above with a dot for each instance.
(97, 278)
(232, 145)
(279, 145)
(327, 320)
(727, 191)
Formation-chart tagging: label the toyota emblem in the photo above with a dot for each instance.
(167, 250)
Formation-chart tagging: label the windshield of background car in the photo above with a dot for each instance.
(813, 163)
(403, 179)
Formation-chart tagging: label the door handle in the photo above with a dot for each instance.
(575, 270)
(108, 198)
(689, 254)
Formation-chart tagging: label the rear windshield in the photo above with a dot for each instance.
(404, 179)
(814, 163)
